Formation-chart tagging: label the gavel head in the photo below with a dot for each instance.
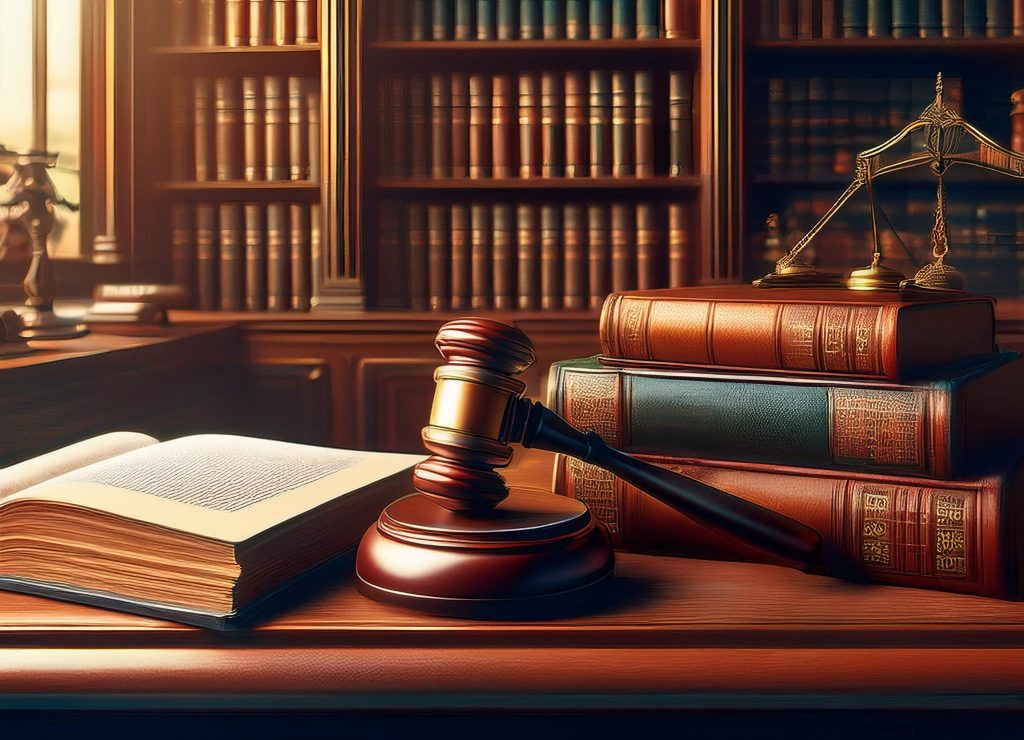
(475, 405)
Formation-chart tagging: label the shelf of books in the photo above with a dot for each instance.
(527, 154)
(874, 71)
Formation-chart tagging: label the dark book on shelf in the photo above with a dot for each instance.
(486, 19)
(479, 125)
(298, 129)
(531, 26)
(643, 124)
(465, 20)
(680, 131)
(507, 20)
(183, 248)
(574, 250)
(679, 20)
(552, 124)
(974, 18)
(831, 19)
(554, 19)
(648, 24)
(808, 19)
(460, 125)
(503, 128)
(929, 14)
(299, 248)
(600, 123)
(419, 126)
(855, 18)
(205, 149)
(952, 15)
(440, 125)
(503, 242)
(551, 256)
(232, 257)
(228, 139)
(998, 18)
(880, 23)
(576, 122)
(680, 270)
(528, 255)
(904, 18)
(283, 22)
(461, 258)
(482, 271)
(786, 21)
(438, 257)
(622, 237)
(623, 142)
(442, 20)
(255, 257)
(600, 19)
(183, 126)
(576, 20)
(278, 257)
(599, 271)
(275, 116)
(649, 263)
(529, 126)
(207, 256)
(624, 19)
(418, 257)
(254, 130)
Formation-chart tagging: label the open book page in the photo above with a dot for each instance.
(219, 487)
(44, 467)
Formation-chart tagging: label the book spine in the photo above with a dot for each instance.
(623, 19)
(644, 124)
(479, 126)
(680, 118)
(419, 126)
(259, 22)
(417, 257)
(398, 21)
(551, 265)
(182, 22)
(275, 113)
(880, 23)
(598, 254)
(397, 119)
(503, 241)
(316, 250)
(301, 279)
(183, 248)
(531, 26)
(298, 130)
(438, 257)
(312, 101)
(797, 128)
(529, 126)
(855, 18)
(419, 20)
(600, 19)
(974, 18)
(786, 29)
(283, 22)
(205, 155)
(576, 20)
(480, 245)
(305, 22)
(460, 125)
(1017, 121)
(649, 262)
(507, 21)
(462, 258)
(528, 256)
(442, 25)
(904, 19)
(209, 23)
(206, 256)
(228, 140)
(485, 20)
(465, 20)
(236, 23)
(622, 237)
(554, 19)
(392, 278)
(929, 14)
(440, 125)
(769, 13)
(574, 236)
(830, 19)
(647, 20)
(949, 537)
(503, 118)
(952, 18)
(1018, 17)
(254, 166)
(182, 130)
(255, 257)
(278, 257)
(680, 273)
(998, 18)
(232, 257)
(819, 142)
(600, 123)
(552, 124)
(623, 141)
(776, 126)
(678, 20)
(575, 124)
(808, 19)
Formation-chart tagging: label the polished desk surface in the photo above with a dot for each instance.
(670, 633)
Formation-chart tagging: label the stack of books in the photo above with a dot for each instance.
(890, 426)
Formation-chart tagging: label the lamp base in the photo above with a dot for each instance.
(45, 324)
(532, 553)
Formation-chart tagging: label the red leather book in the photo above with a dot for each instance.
(503, 241)
(953, 536)
(440, 125)
(679, 21)
(182, 130)
(298, 130)
(598, 254)
(460, 125)
(834, 331)
(462, 259)
(830, 12)
(232, 257)
(551, 266)
(528, 255)
(576, 122)
(623, 143)
(416, 242)
(255, 257)
(482, 261)
(650, 272)
(438, 258)
(503, 117)
(419, 126)
(529, 126)
(574, 237)
(552, 124)
(254, 129)
(643, 122)
(278, 257)
(299, 242)
(228, 128)
(275, 115)
(205, 151)
(479, 126)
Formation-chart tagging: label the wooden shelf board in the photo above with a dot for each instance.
(957, 175)
(602, 45)
(259, 189)
(980, 47)
(292, 49)
(687, 182)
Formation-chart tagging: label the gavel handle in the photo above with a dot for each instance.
(787, 539)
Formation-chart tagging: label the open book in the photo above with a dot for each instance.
(201, 529)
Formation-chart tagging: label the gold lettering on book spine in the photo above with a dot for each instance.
(835, 350)
(797, 340)
(633, 336)
(866, 354)
(876, 427)
(876, 526)
(950, 512)
(592, 404)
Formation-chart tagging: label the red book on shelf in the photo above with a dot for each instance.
(529, 126)
(232, 257)
(183, 22)
(643, 116)
(278, 257)
(528, 255)
(679, 20)
(299, 244)
(419, 126)
(275, 140)
(298, 130)
(416, 242)
(462, 258)
(576, 124)
(440, 125)
(598, 254)
(503, 117)
(574, 249)
(205, 155)
(228, 129)
(460, 125)
(503, 240)
(551, 256)
(438, 257)
(479, 126)
(210, 23)
(552, 124)
(255, 257)
(482, 258)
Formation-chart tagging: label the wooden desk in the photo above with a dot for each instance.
(716, 641)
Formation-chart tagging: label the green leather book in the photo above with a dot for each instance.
(647, 26)
(880, 18)
(600, 19)
(974, 18)
(623, 19)
(507, 20)
(465, 20)
(855, 18)
(576, 20)
(554, 19)
(530, 25)
(904, 19)
(952, 425)
(485, 11)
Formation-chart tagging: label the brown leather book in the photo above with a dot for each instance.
(206, 256)
(183, 22)
(808, 19)
(576, 124)
(529, 126)
(552, 124)
(316, 250)
(255, 257)
(482, 266)
(305, 22)
(228, 128)
(416, 243)
(503, 123)
(679, 21)
(278, 257)
(210, 23)
(551, 257)
(600, 123)
(183, 248)
(311, 93)
(392, 268)
(680, 118)
(419, 126)
(460, 125)
(236, 22)
(680, 271)
(182, 130)
(643, 116)
(786, 13)
(574, 238)
(623, 142)
(1018, 17)
(650, 269)
(254, 129)
(398, 126)
(598, 254)
(958, 536)
(275, 112)
(438, 257)
(440, 125)
(503, 240)
(283, 22)
(259, 22)
(205, 154)
(833, 331)
(623, 239)
(299, 243)
(528, 255)
(479, 125)
(298, 130)
(232, 257)
(462, 258)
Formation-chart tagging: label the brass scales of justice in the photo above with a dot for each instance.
(948, 140)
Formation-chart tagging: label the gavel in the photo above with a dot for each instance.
(466, 542)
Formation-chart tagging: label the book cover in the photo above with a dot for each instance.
(551, 256)
(465, 20)
(278, 257)
(952, 18)
(528, 256)
(183, 126)
(232, 257)
(460, 125)
(503, 241)
(574, 236)
(855, 18)
(552, 124)
(531, 26)
(647, 19)
(624, 19)
(305, 22)
(479, 126)
(808, 19)
(680, 270)
(786, 28)
(643, 124)
(649, 264)
(679, 23)
(880, 18)
(904, 18)
(576, 124)
(929, 14)
(441, 20)
(507, 20)
(255, 257)
(576, 20)
(259, 22)
(438, 257)
(998, 18)
(600, 19)
(954, 424)
(419, 126)
(283, 22)
(831, 21)
(554, 19)
(228, 140)
(485, 20)
(974, 18)
(236, 23)
(482, 256)
(599, 257)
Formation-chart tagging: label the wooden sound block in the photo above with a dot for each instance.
(533, 552)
